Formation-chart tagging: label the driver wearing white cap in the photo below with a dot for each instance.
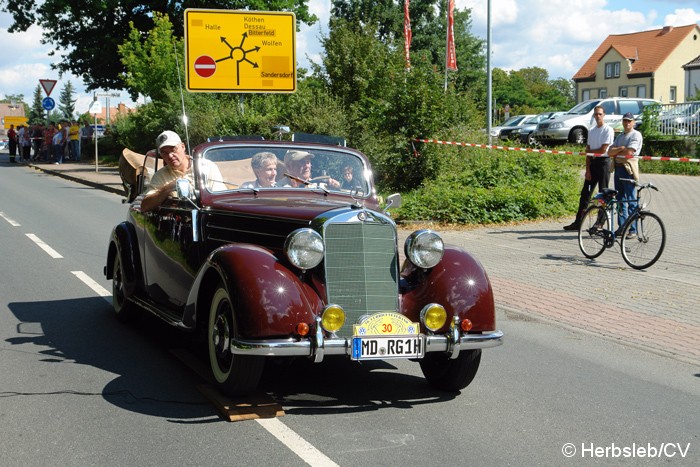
(176, 165)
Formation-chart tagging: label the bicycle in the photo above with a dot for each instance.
(639, 250)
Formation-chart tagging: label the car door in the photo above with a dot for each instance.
(171, 256)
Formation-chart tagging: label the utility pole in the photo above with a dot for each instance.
(489, 110)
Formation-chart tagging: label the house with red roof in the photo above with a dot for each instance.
(651, 64)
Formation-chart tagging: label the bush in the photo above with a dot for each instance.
(489, 187)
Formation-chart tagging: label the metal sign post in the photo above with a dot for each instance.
(95, 108)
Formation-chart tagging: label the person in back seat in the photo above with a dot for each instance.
(264, 166)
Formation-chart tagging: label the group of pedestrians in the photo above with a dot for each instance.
(54, 143)
(621, 154)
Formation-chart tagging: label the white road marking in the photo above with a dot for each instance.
(97, 288)
(296, 443)
(12, 223)
(40, 243)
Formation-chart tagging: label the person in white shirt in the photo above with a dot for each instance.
(600, 137)
(176, 165)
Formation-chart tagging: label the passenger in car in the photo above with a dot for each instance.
(264, 166)
(298, 165)
(176, 165)
(349, 180)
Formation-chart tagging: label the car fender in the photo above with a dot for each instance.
(124, 242)
(459, 283)
(269, 299)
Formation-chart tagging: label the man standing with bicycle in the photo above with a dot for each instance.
(625, 149)
(600, 137)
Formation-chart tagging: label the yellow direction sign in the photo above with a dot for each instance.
(240, 51)
(13, 120)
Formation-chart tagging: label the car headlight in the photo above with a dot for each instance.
(433, 316)
(424, 248)
(556, 125)
(304, 248)
(333, 318)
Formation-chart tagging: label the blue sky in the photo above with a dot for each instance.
(557, 35)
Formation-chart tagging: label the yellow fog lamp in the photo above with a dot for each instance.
(433, 316)
(333, 318)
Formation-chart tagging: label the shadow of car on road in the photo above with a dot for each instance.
(151, 381)
(83, 331)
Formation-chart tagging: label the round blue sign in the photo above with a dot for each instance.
(48, 103)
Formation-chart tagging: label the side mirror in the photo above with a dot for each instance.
(183, 188)
(393, 201)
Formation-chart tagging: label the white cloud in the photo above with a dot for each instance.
(682, 17)
(559, 35)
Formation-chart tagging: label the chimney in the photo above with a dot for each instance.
(666, 30)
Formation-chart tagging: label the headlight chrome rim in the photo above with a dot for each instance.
(304, 248)
(424, 248)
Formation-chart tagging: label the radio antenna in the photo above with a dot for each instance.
(182, 99)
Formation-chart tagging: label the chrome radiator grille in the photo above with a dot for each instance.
(361, 269)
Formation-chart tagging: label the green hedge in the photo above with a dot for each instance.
(491, 187)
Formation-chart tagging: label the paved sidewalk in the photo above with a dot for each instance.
(538, 271)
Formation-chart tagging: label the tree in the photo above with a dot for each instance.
(429, 29)
(87, 33)
(37, 113)
(66, 103)
(150, 67)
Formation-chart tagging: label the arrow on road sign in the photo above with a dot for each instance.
(48, 85)
(48, 103)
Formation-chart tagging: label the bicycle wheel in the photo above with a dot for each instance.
(591, 238)
(645, 248)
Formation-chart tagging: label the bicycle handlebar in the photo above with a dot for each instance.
(639, 185)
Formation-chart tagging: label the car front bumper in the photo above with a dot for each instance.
(318, 346)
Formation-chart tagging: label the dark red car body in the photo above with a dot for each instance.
(217, 262)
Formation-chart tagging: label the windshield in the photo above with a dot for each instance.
(583, 108)
(513, 121)
(269, 167)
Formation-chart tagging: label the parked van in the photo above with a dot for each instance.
(573, 126)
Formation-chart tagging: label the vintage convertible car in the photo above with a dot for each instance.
(299, 272)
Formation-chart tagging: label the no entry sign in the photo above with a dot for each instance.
(204, 66)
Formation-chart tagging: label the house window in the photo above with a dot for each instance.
(612, 70)
(672, 94)
(623, 91)
(585, 94)
(642, 90)
(603, 93)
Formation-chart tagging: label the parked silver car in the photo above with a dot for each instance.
(573, 125)
(524, 133)
(509, 125)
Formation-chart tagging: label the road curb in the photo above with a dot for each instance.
(83, 181)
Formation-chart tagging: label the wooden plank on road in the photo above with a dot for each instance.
(234, 410)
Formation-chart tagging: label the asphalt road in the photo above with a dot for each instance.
(78, 388)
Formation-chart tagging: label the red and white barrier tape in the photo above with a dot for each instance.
(552, 151)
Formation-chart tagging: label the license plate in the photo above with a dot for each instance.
(387, 347)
